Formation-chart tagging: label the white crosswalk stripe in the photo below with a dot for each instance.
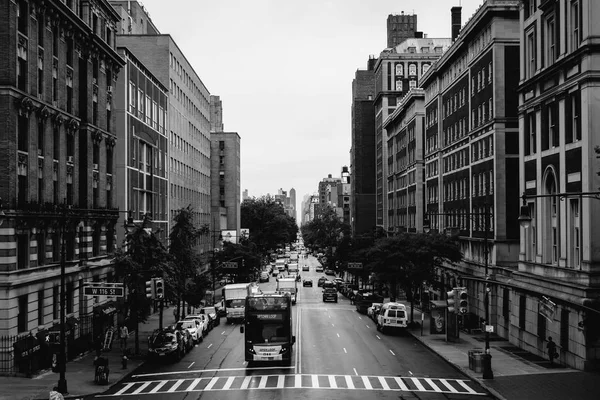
(297, 381)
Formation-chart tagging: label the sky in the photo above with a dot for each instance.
(284, 69)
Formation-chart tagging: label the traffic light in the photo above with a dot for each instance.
(159, 288)
(150, 289)
(463, 300)
(451, 300)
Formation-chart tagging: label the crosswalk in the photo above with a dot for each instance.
(297, 381)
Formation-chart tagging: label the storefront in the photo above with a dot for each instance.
(27, 351)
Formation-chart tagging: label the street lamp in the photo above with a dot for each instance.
(487, 357)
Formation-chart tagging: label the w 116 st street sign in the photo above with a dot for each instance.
(355, 265)
(229, 265)
(105, 289)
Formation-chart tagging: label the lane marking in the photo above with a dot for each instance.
(345, 350)
(377, 336)
(194, 371)
(355, 372)
(298, 381)
(209, 346)
(410, 373)
(315, 381)
(193, 385)
(392, 352)
(126, 388)
(144, 386)
(175, 386)
(246, 382)
(366, 382)
(338, 334)
(222, 333)
(448, 386)
(349, 383)
(332, 382)
(464, 385)
(211, 383)
(368, 326)
(433, 385)
(280, 381)
(157, 387)
(383, 383)
(333, 325)
(190, 366)
(228, 383)
(418, 384)
(263, 382)
(401, 384)
(359, 317)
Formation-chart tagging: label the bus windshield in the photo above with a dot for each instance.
(265, 331)
(235, 303)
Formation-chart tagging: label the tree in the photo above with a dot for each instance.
(327, 232)
(141, 257)
(410, 259)
(182, 240)
(246, 257)
(270, 227)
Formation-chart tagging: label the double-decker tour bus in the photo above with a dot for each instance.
(268, 328)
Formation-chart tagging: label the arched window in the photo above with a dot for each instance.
(551, 232)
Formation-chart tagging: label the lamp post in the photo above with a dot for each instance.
(487, 357)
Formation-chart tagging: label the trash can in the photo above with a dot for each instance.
(476, 360)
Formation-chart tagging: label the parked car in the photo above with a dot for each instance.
(167, 342)
(204, 322)
(193, 326)
(307, 282)
(329, 285)
(319, 269)
(321, 281)
(213, 315)
(338, 282)
(330, 294)
(373, 311)
(329, 272)
(207, 326)
(305, 268)
(392, 316)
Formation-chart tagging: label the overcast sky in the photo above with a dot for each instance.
(284, 70)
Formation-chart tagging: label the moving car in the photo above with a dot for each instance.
(264, 276)
(329, 285)
(305, 268)
(167, 342)
(330, 294)
(193, 326)
(321, 281)
(307, 282)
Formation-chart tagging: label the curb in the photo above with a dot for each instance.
(460, 369)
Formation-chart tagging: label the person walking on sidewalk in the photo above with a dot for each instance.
(123, 335)
(552, 353)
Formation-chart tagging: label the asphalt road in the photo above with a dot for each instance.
(338, 355)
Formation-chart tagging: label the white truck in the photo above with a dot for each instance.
(293, 268)
(288, 285)
(234, 300)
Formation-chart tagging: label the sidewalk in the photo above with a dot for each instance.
(517, 373)
(80, 372)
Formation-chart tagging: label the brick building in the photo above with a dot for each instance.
(58, 70)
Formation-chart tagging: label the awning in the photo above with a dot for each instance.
(108, 308)
(26, 346)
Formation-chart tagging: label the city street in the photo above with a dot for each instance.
(336, 348)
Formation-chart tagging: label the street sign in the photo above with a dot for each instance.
(229, 265)
(116, 291)
(489, 328)
(355, 265)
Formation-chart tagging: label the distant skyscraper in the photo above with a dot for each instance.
(225, 182)
(292, 204)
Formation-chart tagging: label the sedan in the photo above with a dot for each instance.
(305, 268)
(321, 281)
(307, 282)
(319, 269)
(193, 326)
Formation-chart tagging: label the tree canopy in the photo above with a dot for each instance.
(270, 227)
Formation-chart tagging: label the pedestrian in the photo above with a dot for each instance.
(123, 335)
(552, 353)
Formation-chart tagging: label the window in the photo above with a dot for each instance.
(22, 17)
(522, 308)
(69, 294)
(550, 132)
(22, 65)
(22, 319)
(575, 19)
(22, 250)
(550, 38)
(564, 329)
(40, 307)
(530, 139)
(575, 235)
(41, 248)
(530, 53)
(96, 241)
(506, 303)
(55, 302)
(40, 73)
(573, 116)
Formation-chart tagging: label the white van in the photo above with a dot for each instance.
(392, 315)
